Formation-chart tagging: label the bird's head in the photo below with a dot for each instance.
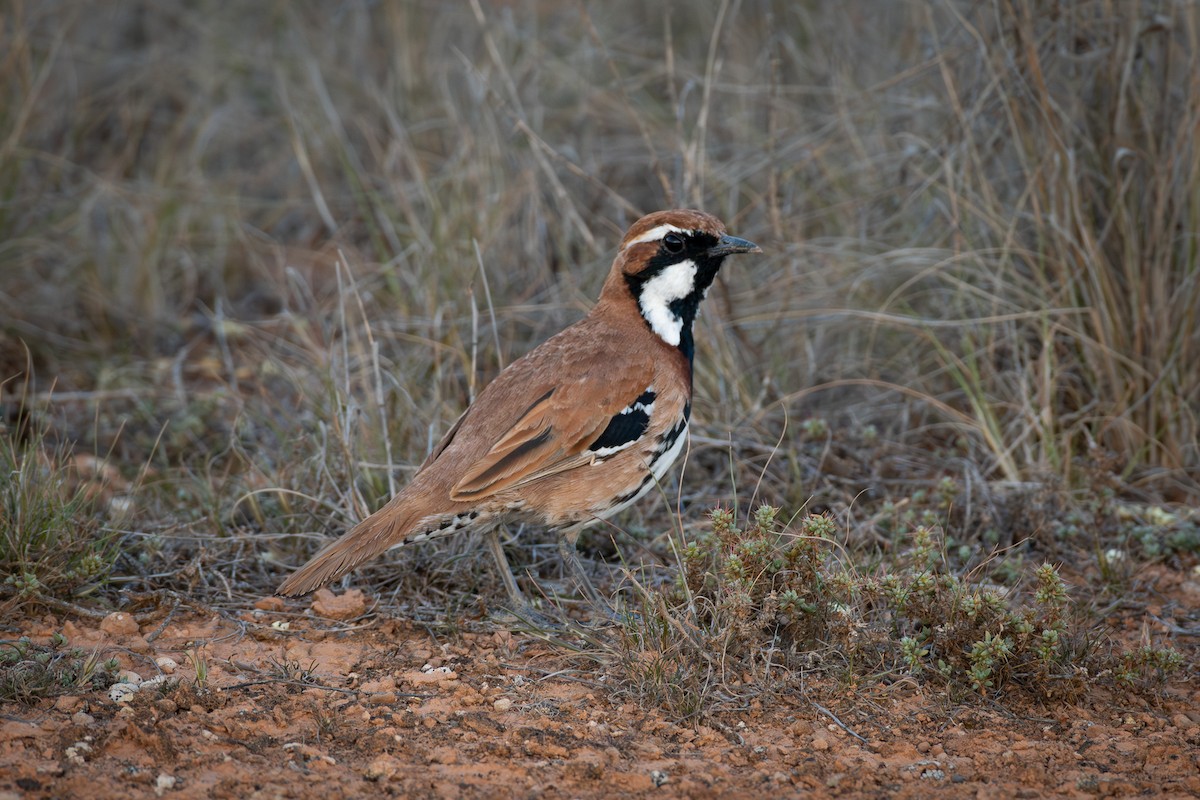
(667, 261)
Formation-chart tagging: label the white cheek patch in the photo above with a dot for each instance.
(653, 235)
(673, 283)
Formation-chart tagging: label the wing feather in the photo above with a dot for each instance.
(551, 436)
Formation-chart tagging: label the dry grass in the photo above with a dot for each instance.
(261, 257)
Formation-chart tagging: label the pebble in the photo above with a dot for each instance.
(82, 719)
(381, 699)
(119, 624)
(502, 704)
(341, 607)
(820, 743)
(129, 676)
(437, 675)
(443, 755)
(167, 664)
(77, 753)
(271, 603)
(122, 692)
(67, 703)
(164, 783)
(384, 766)
(157, 680)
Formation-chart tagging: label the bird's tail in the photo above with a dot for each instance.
(384, 529)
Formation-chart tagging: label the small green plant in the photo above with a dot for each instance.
(815, 428)
(746, 601)
(30, 671)
(1148, 665)
(759, 598)
(199, 661)
(52, 542)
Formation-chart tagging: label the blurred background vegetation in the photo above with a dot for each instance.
(252, 254)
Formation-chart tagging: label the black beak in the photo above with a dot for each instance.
(728, 245)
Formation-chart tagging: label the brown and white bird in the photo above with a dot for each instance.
(576, 430)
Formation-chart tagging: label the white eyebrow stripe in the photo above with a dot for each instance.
(654, 234)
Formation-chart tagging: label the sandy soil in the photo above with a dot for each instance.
(403, 713)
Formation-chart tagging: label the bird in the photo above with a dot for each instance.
(573, 432)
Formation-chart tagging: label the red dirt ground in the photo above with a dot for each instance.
(489, 714)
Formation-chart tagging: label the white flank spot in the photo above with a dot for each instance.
(645, 409)
(673, 283)
(654, 235)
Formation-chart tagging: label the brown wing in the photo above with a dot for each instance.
(553, 432)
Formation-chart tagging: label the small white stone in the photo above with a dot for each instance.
(75, 753)
(164, 783)
(502, 704)
(167, 664)
(129, 676)
(122, 692)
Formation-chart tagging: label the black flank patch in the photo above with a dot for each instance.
(622, 429)
(627, 426)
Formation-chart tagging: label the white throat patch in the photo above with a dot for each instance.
(673, 283)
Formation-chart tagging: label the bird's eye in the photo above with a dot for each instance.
(673, 243)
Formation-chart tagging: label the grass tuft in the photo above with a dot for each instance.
(31, 671)
(756, 608)
(52, 538)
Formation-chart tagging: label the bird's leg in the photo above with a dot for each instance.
(570, 559)
(521, 608)
(510, 583)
